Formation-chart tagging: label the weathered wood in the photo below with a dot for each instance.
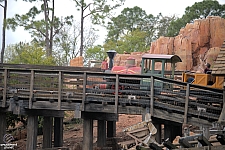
(32, 127)
(186, 104)
(111, 128)
(31, 89)
(152, 97)
(116, 94)
(99, 116)
(84, 91)
(47, 132)
(5, 88)
(87, 134)
(59, 90)
(58, 131)
(2, 127)
(203, 141)
(101, 136)
(220, 147)
(168, 144)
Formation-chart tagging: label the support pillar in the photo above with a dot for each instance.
(87, 134)
(58, 132)
(2, 127)
(158, 136)
(101, 142)
(32, 127)
(47, 132)
(111, 128)
(167, 132)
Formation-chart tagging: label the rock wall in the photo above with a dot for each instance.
(198, 43)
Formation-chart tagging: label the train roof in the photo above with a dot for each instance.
(159, 57)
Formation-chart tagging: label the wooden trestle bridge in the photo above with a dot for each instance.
(49, 91)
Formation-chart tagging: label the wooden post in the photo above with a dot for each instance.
(87, 134)
(158, 136)
(58, 132)
(101, 142)
(116, 94)
(186, 103)
(111, 128)
(31, 88)
(5, 88)
(152, 97)
(32, 127)
(47, 132)
(222, 114)
(59, 90)
(167, 132)
(2, 127)
(84, 89)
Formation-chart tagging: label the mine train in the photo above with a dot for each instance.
(161, 66)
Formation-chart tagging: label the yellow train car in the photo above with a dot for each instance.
(203, 79)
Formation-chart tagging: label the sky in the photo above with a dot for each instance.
(166, 7)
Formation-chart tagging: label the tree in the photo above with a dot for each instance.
(3, 29)
(44, 30)
(129, 20)
(26, 53)
(132, 42)
(199, 10)
(98, 11)
(96, 53)
(67, 42)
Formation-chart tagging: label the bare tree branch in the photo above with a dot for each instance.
(2, 5)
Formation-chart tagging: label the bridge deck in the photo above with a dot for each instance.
(33, 88)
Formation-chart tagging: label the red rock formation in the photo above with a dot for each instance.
(196, 44)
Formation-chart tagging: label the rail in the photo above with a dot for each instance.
(109, 93)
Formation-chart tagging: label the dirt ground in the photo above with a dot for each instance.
(73, 133)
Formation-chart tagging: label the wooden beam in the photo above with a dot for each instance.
(58, 132)
(59, 90)
(5, 88)
(47, 132)
(32, 127)
(87, 134)
(2, 127)
(152, 97)
(31, 88)
(186, 104)
(99, 116)
(101, 141)
(116, 94)
(84, 90)
(111, 128)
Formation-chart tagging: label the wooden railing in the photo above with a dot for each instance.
(108, 93)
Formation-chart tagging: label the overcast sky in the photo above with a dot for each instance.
(67, 7)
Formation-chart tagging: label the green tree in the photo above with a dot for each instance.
(132, 42)
(25, 53)
(44, 30)
(199, 10)
(96, 53)
(3, 28)
(98, 10)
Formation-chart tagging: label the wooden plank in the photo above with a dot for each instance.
(5, 88)
(32, 126)
(59, 90)
(2, 126)
(101, 135)
(152, 97)
(87, 134)
(31, 89)
(116, 94)
(47, 132)
(58, 131)
(84, 90)
(186, 103)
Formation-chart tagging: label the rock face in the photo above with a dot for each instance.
(197, 44)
